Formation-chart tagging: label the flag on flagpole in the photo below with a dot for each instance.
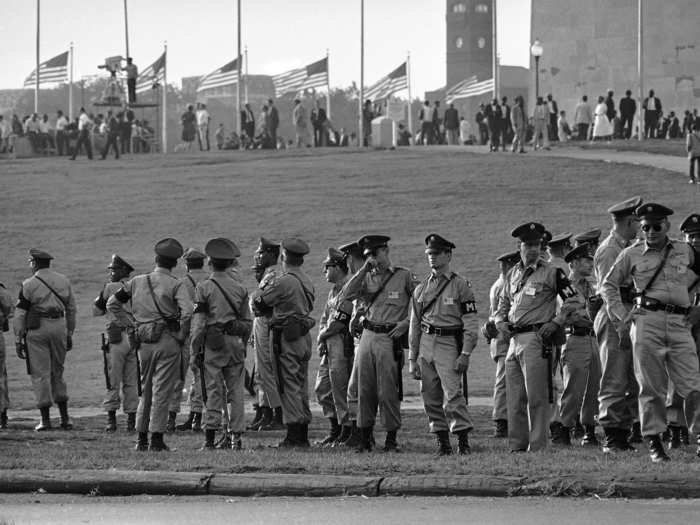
(54, 70)
(152, 75)
(314, 75)
(469, 88)
(224, 76)
(386, 86)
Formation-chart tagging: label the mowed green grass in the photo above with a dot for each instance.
(82, 212)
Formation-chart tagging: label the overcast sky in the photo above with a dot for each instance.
(280, 35)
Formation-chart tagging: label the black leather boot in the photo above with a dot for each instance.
(501, 428)
(111, 421)
(616, 440)
(589, 437)
(656, 449)
(333, 433)
(131, 421)
(45, 423)
(65, 420)
(276, 423)
(197, 422)
(345, 432)
(390, 444)
(157, 443)
(463, 444)
(675, 441)
(291, 438)
(365, 444)
(142, 442)
(353, 440)
(636, 433)
(443, 443)
(578, 430)
(265, 418)
(303, 435)
(172, 417)
(253, 425)
(685, 436)
(561, 436)
(187, 424)
(236, 441)
(209, 436)
(3, 419)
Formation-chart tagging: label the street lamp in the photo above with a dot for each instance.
(536, 50)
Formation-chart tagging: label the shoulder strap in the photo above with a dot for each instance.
(306, 294)
(191, 279)
(437, 295)
(660, 267)
(379, 290)
(153, 296)
(228, 299)
(63, 301)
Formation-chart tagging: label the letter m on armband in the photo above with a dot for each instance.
(468, 307)
(564, 287)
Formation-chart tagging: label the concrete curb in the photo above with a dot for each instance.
(130, 482)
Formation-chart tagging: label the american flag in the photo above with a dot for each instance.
(468, 88)
(54, 70)
(152, 75)
(224, 76)
(312, 76)
(394, 81)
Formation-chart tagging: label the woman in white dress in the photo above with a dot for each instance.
(602, 127)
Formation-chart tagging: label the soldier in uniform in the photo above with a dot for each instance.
(162, 311)
(269, 413)
(45, 315)
(220, 330)
(527, 313)
(6, 311)
(291, 296)
(122, 357)
(444, 330)
(579, 357)
(386, 291)
(194, 264)
(355, 259)
(659, 323)
(335, 347)
(591, 238)
(499, 347)
(558, 247)
(617, 398)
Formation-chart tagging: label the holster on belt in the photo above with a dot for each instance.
(398, 346)
(276, 351)
(32, 320)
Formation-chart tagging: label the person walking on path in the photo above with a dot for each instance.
(693, 148)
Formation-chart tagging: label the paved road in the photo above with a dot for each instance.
(21, 509)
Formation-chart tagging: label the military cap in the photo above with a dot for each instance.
(562, 238)
(530, 231)
(509, 257)
(351, 248)
(589, 236)
(371, 242)
(35, 253)
(546, 237)
(266, 245)
(580, 252)
(118, 262)
(169, 247)
(626, 207)
(295, 246)
(691, 224)
(193, 254)
(435, 243)
(334, 257)
(651, 210)
(221, 248)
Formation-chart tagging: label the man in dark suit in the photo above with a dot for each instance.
(248, 121)
(437, 136)
(274, 122)
(552, 127)
(610, 104)
(652, 114)
(628, 107)
(452, 125)
(506, 124)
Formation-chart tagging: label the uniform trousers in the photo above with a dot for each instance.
(519, 137)
(4, 392)
(292, 376)
(47, 352)
(526, 388)
(160, 371)
(332, 380)
(441, 385)
(122, 377)
(352, 385)
(268, 396)
(498, 349)
(178, 387)
(229, 363)
(111, 142)
(675, 405)
(377, 376)
(663, 348)
(617, 398)
(581, 371)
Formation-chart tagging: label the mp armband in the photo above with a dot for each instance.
(468, 307)
(201, 308)
(122, 296)
(100, 303)
(342, 317)
(23, 303)
(259, 303)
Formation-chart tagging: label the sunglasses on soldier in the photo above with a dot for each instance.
(655, 227)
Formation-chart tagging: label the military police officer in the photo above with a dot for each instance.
(443, 332)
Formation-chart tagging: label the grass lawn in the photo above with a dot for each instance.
(675, 147)
(82, 212)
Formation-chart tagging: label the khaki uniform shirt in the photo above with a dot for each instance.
(6, 307)
(579, 317)
(108, 291)
(337, 308)
(36, 295)
(290, 293)
(191, 278)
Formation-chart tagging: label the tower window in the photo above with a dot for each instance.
(481, 43)
(459, 42)
(481, 8)
(459, 8)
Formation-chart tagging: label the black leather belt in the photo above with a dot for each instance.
(429, 329)
(579, 330)
(653, 305)
(379, 328)
(525, 328)
(52, 315)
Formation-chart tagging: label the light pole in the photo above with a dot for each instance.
(536, 50)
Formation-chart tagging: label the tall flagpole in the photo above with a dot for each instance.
(408, 78)
(361, 136)
(164, 112)
(246, 75)
(36, 85)
(70, 84)
(238, 83)
(494, 58)
(126, 28)
(640, 67)
(328, 84)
